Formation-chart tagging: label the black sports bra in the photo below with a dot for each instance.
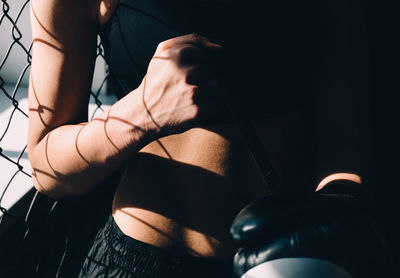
(272, 58)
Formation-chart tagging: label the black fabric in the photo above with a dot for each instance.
(115, 254)
(273, 49)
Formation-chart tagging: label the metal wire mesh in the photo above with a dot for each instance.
(14, 116)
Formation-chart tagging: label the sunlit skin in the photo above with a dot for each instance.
(337, 177)
(183, 183)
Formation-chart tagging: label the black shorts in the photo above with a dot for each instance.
(115, 254)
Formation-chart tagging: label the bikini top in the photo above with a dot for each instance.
(271, 59)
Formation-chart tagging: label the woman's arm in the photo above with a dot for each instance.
(64, 52)
(70, 155)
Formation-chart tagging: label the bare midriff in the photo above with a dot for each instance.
(183, 191)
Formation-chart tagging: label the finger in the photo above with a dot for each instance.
(198, 75)
(193, 38)
(207, 92)
(186, 55)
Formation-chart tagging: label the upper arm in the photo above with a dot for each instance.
(63, 55)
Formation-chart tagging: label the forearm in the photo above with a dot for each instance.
(71, 159)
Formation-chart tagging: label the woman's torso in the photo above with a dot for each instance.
(182, 192)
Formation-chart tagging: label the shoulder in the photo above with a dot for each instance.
(87, 10)
(67, 17)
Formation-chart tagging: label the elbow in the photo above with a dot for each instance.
(45, 180)
(37, 173)
(54, 189)
(45, 185)
(45, 191)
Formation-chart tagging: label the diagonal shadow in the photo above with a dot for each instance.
(189, 195)
(172, 238)
(41, 24)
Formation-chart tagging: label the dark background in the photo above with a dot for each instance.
(383, 27)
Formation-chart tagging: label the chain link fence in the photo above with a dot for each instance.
(19, 201)
(25, 213)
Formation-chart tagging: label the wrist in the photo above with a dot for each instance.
(126, 127)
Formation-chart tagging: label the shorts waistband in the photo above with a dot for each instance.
(145, 258)
(136, 255)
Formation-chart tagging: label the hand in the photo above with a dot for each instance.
(179, 89)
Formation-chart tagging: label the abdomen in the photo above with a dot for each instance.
(183, 191)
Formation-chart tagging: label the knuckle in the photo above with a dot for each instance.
(188, 54)
(161, 46)
(194, 94)
(189, 49)
(191, 76)
(196, 38)
(195, 112)
(193, 90)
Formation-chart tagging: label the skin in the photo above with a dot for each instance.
(183, 183)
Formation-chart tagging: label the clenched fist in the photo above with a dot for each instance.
(179, 88)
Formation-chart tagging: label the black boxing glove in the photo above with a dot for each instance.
(331, 233)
